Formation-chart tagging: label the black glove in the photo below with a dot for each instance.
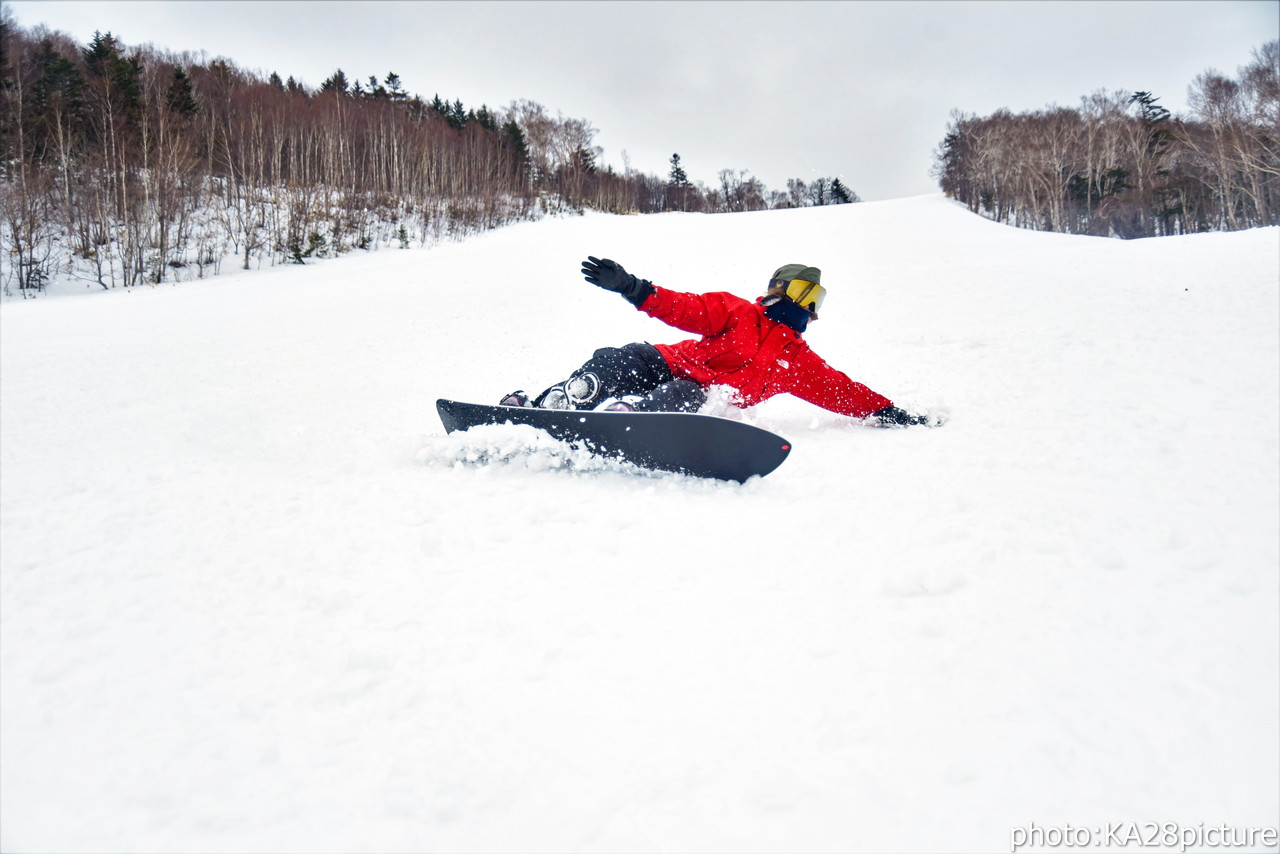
(892, 416)
(610, 275)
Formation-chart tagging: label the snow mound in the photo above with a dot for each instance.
(253, 598)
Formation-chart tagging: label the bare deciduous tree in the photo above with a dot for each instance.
(1122, 165)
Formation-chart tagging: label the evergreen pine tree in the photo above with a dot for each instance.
(678, 177)
(180, 99)
(513, 140)
(1153, 116)
(336, 83)
(677, 186)
(840, 194)
(56, 100)
(395, 90)
(103, 49)
(123, 74)
(485, 119)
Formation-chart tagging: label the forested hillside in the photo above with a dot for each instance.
(1122, 165)
(132, 165)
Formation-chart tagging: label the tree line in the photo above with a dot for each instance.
(1122, 165)
(126, 166)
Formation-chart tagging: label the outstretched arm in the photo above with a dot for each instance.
(824, 386)
(701, 314)
(611, 276)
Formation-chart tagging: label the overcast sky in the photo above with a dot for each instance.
(858, 90)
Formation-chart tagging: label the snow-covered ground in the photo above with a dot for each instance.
(254, 599)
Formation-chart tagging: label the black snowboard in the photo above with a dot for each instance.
(700, 445)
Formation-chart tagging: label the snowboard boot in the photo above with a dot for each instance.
(516, 398)
(583, 391)
(626, 403)
(580, 391)
(553, 398)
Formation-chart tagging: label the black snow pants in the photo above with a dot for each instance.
(633, 369)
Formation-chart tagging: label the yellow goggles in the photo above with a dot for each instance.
(806, 294)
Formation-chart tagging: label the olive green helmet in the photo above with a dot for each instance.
(800, 284)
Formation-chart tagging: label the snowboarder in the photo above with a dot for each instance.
(756, 348)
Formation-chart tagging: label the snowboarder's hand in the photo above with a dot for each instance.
(611, 276)
(892, 416)
(606, 274)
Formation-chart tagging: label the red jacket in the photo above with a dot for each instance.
(742, 348)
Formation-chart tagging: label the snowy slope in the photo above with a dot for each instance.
(253, 599)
